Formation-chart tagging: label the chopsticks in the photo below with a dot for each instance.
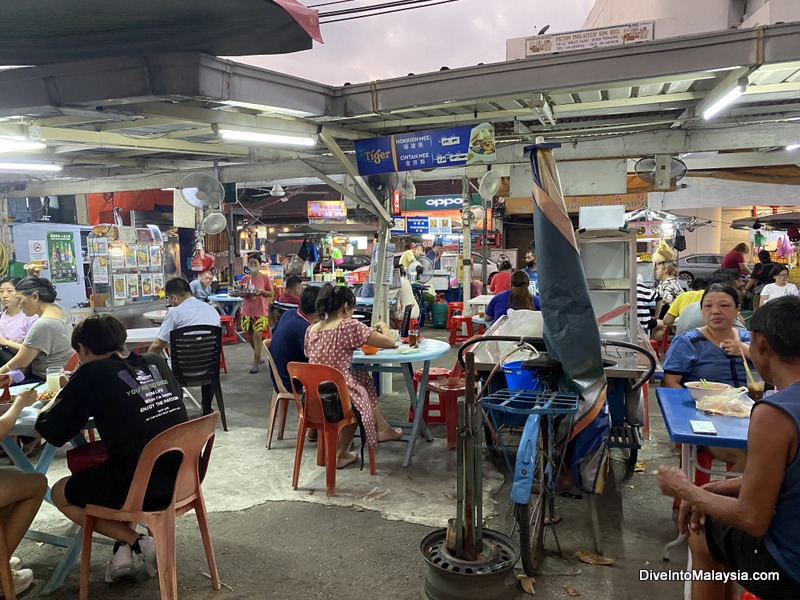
(705, 384)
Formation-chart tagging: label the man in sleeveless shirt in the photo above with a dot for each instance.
(748, 525)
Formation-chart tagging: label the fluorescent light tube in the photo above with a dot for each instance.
(17, 167)
(723, 102)
(18, 144)
(266, 138)
(792, 147)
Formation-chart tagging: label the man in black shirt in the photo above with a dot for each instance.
(132, 398)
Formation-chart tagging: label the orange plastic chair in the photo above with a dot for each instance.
(456, 322)
(72, 363)
(311, 416)
(194, 440)
(453, 308)
(280, 399)
(449, 391)
(6, 579)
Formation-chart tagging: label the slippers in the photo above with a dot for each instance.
(390, 435)
(571, 496)
(342, 462)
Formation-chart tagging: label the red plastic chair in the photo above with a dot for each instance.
(456, 323)
(194, 440)
(453, 308)
(228, 330)
(311, 416)
(433, 413)
(449, 390)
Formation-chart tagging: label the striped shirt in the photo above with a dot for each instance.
(645, 300)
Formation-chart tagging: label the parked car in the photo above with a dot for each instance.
(349, 263)
(698, 265)
(477, 262)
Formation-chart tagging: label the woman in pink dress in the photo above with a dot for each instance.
(255, 307)
(332, 342)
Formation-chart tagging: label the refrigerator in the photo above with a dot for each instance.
(60, 248)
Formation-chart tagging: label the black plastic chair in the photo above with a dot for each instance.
(195, 352)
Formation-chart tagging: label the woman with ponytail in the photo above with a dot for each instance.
(47, 343)
(518, 297)
(332, 342)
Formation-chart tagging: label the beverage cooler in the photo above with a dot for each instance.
(127, 271)
(60, 251)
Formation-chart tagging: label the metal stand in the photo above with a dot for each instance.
(466, 561)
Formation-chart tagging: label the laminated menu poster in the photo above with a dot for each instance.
(133, 286)
(147, 284)
(130, 257)
(158, 284)
(120, 287)
(100, 269)
(63, 265)
(117, 253)
(143, 256)
(155, 256)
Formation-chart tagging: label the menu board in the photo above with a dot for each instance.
(100, 269)
(130, 257)
(147, 284)
(158, 284)
(143, 256)
(155, 256)
(133, 286)
(120, 287)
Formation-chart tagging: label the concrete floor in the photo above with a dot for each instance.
(300, 550)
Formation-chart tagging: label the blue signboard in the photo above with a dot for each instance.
(417, 224)
(398, 225)
(452, 147)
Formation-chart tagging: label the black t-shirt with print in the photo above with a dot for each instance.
(132, 400)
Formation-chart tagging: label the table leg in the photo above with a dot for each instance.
(234, 312)
(73, 549)
(688, 452)
(419, 406)
(24, 464)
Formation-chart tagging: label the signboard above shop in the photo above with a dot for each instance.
(456, 146)
(589, 38)
(327, 211)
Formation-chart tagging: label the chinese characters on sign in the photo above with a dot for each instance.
(426, 149)
(327, 211)
(63, 266)
(589, 38)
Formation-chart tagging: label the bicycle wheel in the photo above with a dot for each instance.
(530, 516)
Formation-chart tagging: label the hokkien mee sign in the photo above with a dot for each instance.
(452, 147)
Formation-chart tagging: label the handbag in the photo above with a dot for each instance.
(86, 456)
(334, 412)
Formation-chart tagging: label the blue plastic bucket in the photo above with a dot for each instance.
(519, 379)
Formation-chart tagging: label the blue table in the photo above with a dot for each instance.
(678, 409)
(391, 361)
(370, 302)
(24, 426)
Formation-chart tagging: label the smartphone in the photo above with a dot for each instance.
(703, 427)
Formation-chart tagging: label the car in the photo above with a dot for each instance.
(698, 265)
(477, 262)
(350, 262)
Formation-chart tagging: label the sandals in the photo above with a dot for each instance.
(391, 435)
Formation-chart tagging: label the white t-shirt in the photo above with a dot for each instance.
(772, 291)
(189, 312)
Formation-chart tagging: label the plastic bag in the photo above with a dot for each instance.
(517, 323)
(733, 402)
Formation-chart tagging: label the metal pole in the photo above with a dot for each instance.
(466, 274)
(380, 307)
(485, 243)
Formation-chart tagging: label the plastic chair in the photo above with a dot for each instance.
(456, 323)
(311, 416)
(449, 391)
(194, 440)
(432, 413)
(453, 308)
(229, 331)
(6, 579)
(280, 399)
(195, 352)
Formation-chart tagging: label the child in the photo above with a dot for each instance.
(255, 307)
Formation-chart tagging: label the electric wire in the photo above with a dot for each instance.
(385, 12)
(372, 7)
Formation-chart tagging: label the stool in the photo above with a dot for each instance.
(456, 321)
(431, 413)
(449, 391)
(228, 331)
(222, 365)
(453, 308)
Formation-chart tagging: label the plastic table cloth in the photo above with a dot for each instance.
(142, 335)
(391, 361)
(678, 409)
(24, 426)
(156, 316)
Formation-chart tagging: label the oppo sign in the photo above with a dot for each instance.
(444, 202)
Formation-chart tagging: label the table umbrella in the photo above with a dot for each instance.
(570, 329)
(35, 32)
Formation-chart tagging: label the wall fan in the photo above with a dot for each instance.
(647, 169)
(487, 188)
(206, 193)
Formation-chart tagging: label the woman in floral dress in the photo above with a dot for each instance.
(332, 342)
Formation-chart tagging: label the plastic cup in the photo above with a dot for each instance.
(413, 338)
(755, 389)
(54, 379)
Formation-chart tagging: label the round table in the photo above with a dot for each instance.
(142, 335)
(156, 316)
(391, 361)
(234, 301)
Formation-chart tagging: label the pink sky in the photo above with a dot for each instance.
(422, 41)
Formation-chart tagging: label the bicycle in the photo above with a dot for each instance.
(546, 416)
